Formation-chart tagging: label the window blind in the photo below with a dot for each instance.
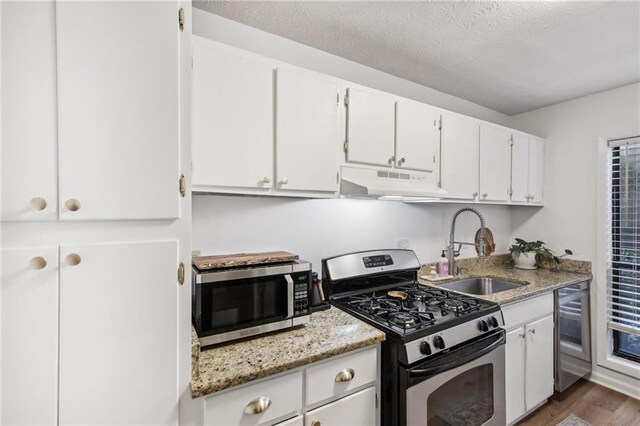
(623, 254)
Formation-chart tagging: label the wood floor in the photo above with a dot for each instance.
(594, 403)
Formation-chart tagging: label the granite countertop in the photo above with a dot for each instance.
(536, 282)
(329, 333)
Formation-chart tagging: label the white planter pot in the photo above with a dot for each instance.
(525, 260)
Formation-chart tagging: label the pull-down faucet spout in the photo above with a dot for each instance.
(451, 251)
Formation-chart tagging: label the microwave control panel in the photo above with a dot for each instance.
(301, 284)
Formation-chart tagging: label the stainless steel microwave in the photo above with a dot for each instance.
(229, 304)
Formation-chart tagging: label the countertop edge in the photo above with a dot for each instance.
(544, 290)
(200, 389)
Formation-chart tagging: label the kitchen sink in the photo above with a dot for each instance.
(481, 286)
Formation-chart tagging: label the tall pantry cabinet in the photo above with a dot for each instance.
(96, 212)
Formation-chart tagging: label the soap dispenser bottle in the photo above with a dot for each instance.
(443, 265)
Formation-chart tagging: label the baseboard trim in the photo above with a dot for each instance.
(617, 385)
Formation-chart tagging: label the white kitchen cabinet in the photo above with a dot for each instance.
(118, 110)
(460, 153)
(527, 169)
(417, 136)
(528, 355)
(29, 325)
(514, 367)
(358, 409)
(307, 131)
(370, 126)
(233, 115)
(495, 163)
(118, 328)
(536, 170)
(539, 361)
(29, 111)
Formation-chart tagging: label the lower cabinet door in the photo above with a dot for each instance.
(29, 326)
(118, 333)
(514, 374)
(539, 361)
(358, 409)
(296, 421)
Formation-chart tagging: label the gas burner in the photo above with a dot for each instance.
(458, 306)
(374, 305)
(404, 319)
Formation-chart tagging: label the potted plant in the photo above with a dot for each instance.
(529, 254)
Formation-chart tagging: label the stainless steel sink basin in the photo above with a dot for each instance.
(481, 286)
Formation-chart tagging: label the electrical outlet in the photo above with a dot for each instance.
(402, 243)
(195, 253)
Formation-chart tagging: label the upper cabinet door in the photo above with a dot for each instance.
(459, 153)
(29, 108)
(118, 110)
(495, 163)
(232, 122)
(370, 126)
(536, 170)
(307, 131)
(109, 305)
(520, 168)
(29, 326)
(417, 136)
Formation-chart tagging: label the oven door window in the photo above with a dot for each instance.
(465, 400)
(241, 303)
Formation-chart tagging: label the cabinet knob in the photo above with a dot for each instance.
(532, 330)
(73, 259)
(266, 179)
(522, 335)
(258, 405)
(38, 262)
(345, 375)
(38, 203)
(401, 162)
(316, 423)
(475, 194)
(484, 196)
(391, 159)
(532, 197)
(72, 204)
(284, 180)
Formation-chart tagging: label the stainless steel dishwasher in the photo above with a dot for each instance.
(572, 334)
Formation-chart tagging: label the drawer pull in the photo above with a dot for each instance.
(38, 262)
(345, 375)
(258, 405)
(316, 423)
(38, 203)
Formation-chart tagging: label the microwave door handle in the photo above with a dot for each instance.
(289, 295)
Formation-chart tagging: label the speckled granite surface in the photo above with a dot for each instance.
(535, 282)
(195, 354)
(331, 332)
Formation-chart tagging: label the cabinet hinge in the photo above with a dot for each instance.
(346, 100)
(439, 184)
(337, 177)
(182, 186)
(439, 124)
(345, 146)
(338, 98)
(376, 401)
(181, 273)
(510, 192)
(511, 140)
(181, 19)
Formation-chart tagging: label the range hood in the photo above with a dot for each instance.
(394, 184)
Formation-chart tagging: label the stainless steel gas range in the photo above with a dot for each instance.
(443, 359)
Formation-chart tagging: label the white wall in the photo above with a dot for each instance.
(315, 229)
(233, 33)
(569, 219)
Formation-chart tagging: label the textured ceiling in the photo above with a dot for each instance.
(509, 56)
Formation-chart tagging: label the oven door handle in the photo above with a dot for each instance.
(430, 371)
(290, 299)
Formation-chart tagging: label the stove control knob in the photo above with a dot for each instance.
(493, 322)
(483, 326)
(425, 348)
(438, 342)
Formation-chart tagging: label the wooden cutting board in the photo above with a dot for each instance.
(204, 263)
(489, 246)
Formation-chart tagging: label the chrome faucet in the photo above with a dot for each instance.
(452, 253)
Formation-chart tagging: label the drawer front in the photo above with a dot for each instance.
(296, 421)
(519, 313)
(284, 394)
(341, 375)
(358, 409)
